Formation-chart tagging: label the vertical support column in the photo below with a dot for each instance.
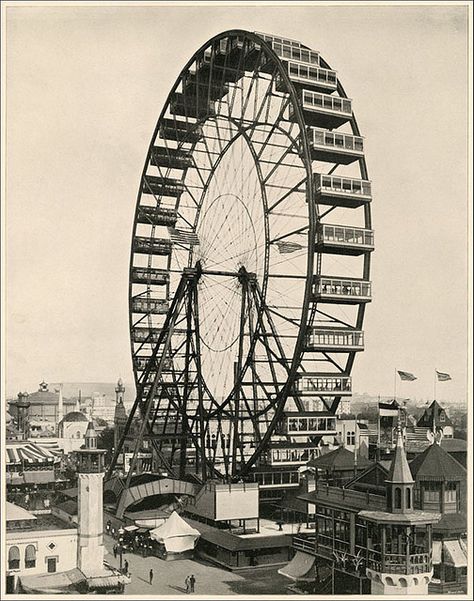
(352, 532)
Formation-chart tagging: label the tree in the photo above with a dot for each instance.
(105, 440)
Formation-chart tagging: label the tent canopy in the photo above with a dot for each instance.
(300, 568)
(174, 526)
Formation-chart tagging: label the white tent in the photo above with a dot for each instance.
(176, 534)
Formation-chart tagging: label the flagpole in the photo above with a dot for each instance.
(395, 385)
(434, 384)
(378, 432)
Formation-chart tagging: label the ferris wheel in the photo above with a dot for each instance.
(250, 258)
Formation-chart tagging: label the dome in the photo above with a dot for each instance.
(75, 416)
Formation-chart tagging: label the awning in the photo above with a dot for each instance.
(130, 528)
(437, 546)
(300, 568)
(59, 582)
(455, 554)
(107, 582)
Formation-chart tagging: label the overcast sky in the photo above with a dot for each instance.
(85, 86)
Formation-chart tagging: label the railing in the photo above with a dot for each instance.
(157, 246)
(157, 215)
(345, 235)
(149, 275)
(327, 287)
(287, 49)
(342, 185)
(310, 74)
(323, 384)
(326, 102)
(395, 563)
(150, 305)
(142, 334)
(310, 425)
(328, 139)
(307, 544)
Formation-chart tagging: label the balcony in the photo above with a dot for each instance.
(180, 131)
(287, 454)
(162, 186)
(148, 335)
(324, 385)
(170, 158)
(347, 192)
(391, 563)
(152, 246)
(340, 340)
(344, 291)
(155, 306)
(310, 423)
(304, 543)
(191, 106)
(156, 216)
(335, 147)
(344, 240)
(316, 78)
(149, 275)
(324, 110)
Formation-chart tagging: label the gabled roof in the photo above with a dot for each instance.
(399, 472)
(340, 458)
(437, 464)
(431, 417)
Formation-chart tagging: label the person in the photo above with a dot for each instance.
(151, 576)
(188, 584)
(192, 582)
(126, 567)
(115, 551)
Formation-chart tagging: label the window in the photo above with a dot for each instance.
(13, 558)
(408, 498)
(350, 438)
(398, 498)
(30, 556)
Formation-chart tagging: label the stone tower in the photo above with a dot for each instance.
(90, 544)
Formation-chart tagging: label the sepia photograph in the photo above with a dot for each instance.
(236, 299)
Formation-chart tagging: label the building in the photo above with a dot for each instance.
(71, 431)
(365, 542)
(353, 435)
(37, 544)
(435, 418)
(338, 466)
(75, 562)
(46, 409)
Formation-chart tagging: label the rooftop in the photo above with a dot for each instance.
(435, 463)
(339, 459)
(17, 513)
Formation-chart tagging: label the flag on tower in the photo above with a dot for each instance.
(407, 376)
(442, 377)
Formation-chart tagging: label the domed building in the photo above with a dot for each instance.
(71, 431)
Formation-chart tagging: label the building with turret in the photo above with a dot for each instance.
(369, 541)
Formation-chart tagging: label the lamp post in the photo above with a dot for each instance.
(120, 546)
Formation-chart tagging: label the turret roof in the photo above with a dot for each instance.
(399, 472)
(437, 464)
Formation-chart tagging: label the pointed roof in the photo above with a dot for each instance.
(174, 526)
(90, 436)
(431, 417)
(437, 464)
(399, 472)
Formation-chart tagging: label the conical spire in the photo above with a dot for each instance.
(90, 437)
(400, 470)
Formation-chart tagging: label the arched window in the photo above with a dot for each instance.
(398, 498)
(30, 557)
(78, 434)
(13, 558)
(408, 499)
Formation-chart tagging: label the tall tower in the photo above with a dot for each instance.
(400, 539)
(120, 416)
(60, 406)
(22, 405)
(90, 544)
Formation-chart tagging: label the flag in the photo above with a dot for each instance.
(442, 377)
(406, 375)
(183, 236)
(288, 247)
(388, 409)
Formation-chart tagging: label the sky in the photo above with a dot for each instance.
(84, 88)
